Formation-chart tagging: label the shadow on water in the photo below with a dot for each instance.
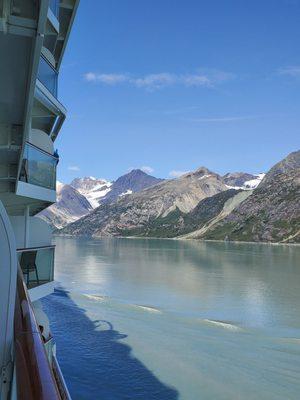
(96, 365)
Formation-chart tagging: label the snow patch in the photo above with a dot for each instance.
(249, 185)
(204, 176)
(59, 185)
(93, 189)
(129, 191)
(253, 183)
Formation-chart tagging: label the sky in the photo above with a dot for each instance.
(172, 85)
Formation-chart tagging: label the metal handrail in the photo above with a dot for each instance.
(41, 150)
(35, 378)
(62, 387)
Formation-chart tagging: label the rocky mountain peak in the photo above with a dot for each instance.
(199, 173)
(203, 171)
(288, 167)
(133, 181)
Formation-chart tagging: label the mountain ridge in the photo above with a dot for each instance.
(159, 200)
(201, 205)
(271, 213)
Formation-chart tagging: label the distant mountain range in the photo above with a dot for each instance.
(135, 211)
(200, 205)
(82, 195)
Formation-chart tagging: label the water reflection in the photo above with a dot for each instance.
(254, 285)
(183, 319)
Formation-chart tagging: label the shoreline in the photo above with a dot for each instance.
(178, 238)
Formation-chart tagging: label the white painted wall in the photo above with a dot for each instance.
(8, 273)
(39, 232)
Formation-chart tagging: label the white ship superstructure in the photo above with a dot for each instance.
(33, 37)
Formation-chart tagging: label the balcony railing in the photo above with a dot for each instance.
(35, 379)
(37, 264)
(48, 76)
(38, 167)
(50, 348)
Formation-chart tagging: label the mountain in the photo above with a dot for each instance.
(242, 180)
(70, 206)
(134, 181)
(84, 194)
(100, 191)
(92, 188)
(199, 205)
(137, 210)
(271, 213)
(178, 223)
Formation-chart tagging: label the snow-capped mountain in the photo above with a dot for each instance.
(199, 205)
(137, 213)
(70, 206)
(82, 195)
(242, 180)
(99, 191)
(92, 188)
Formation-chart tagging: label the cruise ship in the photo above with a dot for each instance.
(33, 39)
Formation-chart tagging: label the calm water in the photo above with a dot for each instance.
(163, 319)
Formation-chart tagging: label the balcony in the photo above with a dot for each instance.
(37, 265)
(38, 167)
(48, 76)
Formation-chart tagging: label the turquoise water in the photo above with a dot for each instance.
(165, 319)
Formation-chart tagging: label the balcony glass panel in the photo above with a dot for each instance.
(37, 265)
(38, 167)
(48, 76)
(54, 7)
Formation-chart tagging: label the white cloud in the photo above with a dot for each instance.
(107, 79)
(147, 169)
(155, 81)
(161, 80)
(73, 168)
(176, 174)
(196, 80)
(292, 71)
(90, 77)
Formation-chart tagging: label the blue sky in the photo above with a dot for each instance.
(175, 84)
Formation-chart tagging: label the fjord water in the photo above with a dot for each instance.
(166, 319)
